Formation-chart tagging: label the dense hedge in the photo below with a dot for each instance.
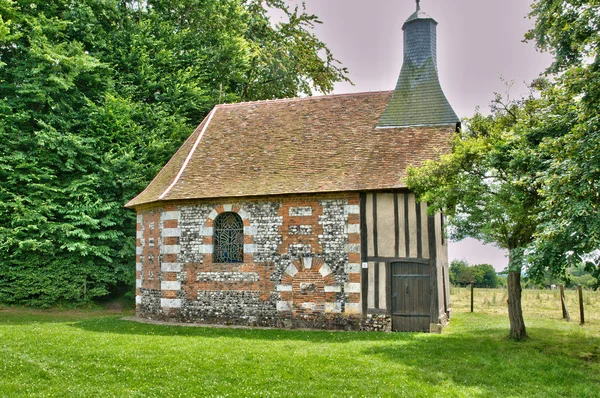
(95, 96)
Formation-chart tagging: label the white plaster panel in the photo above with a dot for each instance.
(307, 261)
(352, 268)
(382, 290)
(412, 225)
(138, 250)
(401, 227)
(138, 300)
(139, 234)
(170, 232)
(284, 288)
(205, 249)
(352, 287)
(291, 270)
(171, 249)
(170, 285)
(332, 289)
(138, 283)
(171, 267)
(353, 228)
(227, 207)
(170, 215)
(249, 248)
(325, 270)
(386, 235)
(424, 230)
(250, 230)
(213, 214)
(205, 231)
(243, 214)
(333, 307)
(139, 218)
(138, 266)
(170, 303)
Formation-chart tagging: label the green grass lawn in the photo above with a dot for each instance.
(97, 354)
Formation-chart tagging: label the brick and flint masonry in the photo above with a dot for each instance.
(301, 265)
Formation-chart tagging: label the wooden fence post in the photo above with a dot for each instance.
(471, 297)
(580, 289)
(565, 312)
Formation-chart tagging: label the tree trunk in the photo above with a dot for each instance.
(515, 312)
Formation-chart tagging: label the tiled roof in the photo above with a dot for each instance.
(302, 145)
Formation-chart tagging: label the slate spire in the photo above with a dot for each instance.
(418, 99)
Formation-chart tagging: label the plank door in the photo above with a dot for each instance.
(411, 297)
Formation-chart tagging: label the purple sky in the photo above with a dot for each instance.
(479, 41)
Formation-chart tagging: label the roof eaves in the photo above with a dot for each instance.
(153, 203)
(190, 154)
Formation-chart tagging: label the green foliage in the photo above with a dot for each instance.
(574, 276)
(458, 268)
(95, 96)
(481, 275)
(487, 183)
(569, 231)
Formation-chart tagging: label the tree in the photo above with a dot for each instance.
(96, 95)
(457, 270)
(487, 185)
(528, 177)
(481, 275)
(568, 233)
(489, 278)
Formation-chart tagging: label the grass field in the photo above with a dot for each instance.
(94, 353)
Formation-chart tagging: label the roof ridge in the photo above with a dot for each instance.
(296, 99)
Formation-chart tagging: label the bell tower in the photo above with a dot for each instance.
(418, 99)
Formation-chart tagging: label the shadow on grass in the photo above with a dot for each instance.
(550, 363)
(124, 326)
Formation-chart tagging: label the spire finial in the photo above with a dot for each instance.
(418, 5)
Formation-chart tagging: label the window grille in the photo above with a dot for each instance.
(228, 239)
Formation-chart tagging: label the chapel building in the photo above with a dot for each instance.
(295, 213)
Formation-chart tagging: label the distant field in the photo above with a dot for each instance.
(536, 303)
(96, 354)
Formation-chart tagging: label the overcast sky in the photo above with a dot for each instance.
(479, 41)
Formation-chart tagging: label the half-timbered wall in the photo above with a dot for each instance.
(395, 228)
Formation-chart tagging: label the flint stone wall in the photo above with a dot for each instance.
(289, 243)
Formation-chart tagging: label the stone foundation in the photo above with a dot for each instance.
(377, 323)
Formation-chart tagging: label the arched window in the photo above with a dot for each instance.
(228, 239)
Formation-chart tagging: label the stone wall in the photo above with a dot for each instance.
(301, 263)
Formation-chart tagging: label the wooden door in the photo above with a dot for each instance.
(411, 297)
